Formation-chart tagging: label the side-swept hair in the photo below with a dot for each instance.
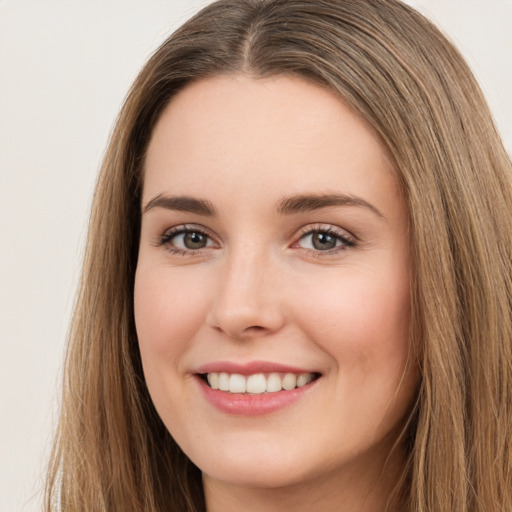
(112, 452)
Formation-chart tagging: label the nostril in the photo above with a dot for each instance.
(254, 330)
(239, 318)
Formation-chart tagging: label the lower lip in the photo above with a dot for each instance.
(252, 405)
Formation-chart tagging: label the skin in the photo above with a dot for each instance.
(260, 289)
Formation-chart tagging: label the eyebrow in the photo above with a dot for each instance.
(306, 203)
(182, 204)
(287, 206)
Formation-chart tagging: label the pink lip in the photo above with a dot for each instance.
(252, 405)
(246, 404)
(249, 368)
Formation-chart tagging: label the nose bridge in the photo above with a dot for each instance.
(247, 301)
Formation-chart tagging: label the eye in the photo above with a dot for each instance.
(183, 239)
(190, 240)
(326, 239)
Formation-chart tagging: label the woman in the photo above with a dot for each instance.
(297, 286)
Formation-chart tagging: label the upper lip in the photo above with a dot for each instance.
(250, 368)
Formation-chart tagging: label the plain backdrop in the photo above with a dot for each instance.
(65, 67)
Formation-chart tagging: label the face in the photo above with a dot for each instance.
(272, 286)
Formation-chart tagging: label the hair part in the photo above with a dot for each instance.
(392, 66)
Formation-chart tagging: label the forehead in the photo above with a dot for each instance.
(224, 132)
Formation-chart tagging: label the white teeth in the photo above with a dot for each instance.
(257, 383)
(289, 381)
(237, 383)
(223, 381)
(273, 383)
(303, 379)
(213, 380)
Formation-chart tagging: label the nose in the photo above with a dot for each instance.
(247, 302)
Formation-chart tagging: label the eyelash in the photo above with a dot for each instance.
(166, 238)
(346, 240)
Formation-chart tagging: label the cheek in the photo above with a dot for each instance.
(362, 323)
(169, 309)
(168, 312)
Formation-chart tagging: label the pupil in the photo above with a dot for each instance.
(323, 241)
(195, 240)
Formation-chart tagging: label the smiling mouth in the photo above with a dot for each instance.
(258, 383)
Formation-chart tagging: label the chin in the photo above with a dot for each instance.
(264, 467)
(269, 476)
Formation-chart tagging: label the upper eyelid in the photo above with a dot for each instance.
(328, 228)
(308, 228)
(183, 228)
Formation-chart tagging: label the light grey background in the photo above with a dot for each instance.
(65, 67)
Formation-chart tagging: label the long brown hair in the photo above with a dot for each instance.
(112, 452)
